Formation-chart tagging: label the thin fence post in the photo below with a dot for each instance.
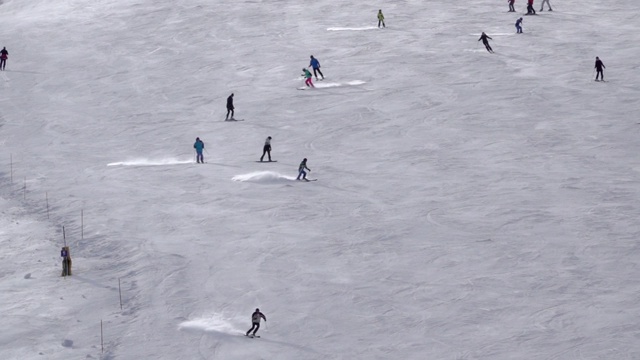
(64, 236)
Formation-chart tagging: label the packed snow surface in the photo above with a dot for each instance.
(468, 205)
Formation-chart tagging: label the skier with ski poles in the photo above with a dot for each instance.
(266, 149)
(599, 69)
(255, 322)
(484, 38)
(199, 146)
(315, 64)
(381, 19)
(301, 170)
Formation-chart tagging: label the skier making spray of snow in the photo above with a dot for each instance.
(255, 322)
(484, 38)
(301, 170)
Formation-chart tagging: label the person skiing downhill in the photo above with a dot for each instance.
(255, 322)
(199, 146)
(315, 64)
(266, 149)
(381, 19)
(599, 66)
(542, 6)
(301, 170)
(230, 107)
(307, 75)
(530, 9)
(519, 26)
(511, 8)
(484, 38)
(4, 54)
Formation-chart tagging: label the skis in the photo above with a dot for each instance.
(307, 180)
(252, 336)
(260, 161)
(234, 120)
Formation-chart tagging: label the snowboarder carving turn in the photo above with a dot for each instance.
(484, 38)
(301, 170)
(266, 149)
(255, 322)
(315, 64)
(381, 19)
(599, 69)
(230, 107)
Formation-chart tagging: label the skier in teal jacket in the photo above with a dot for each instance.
(199, 146)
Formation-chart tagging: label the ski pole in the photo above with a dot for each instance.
(592, 73)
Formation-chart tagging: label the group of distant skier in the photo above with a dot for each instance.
(599, 66)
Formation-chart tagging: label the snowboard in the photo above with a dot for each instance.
(266, 161)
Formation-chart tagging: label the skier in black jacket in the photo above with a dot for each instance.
(599, 66)
(255, 322)
(484, 38)
(4, 54)
(230, 107)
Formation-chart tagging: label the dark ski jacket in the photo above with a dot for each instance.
(599, 65)
(64, 254)
(518, 22)
(230, 102)
(484, 38)
(4, 53)
(255, 317)
(303, 165)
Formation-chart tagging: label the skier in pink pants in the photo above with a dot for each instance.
(307, 75)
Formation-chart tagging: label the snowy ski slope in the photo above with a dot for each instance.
(468, 205)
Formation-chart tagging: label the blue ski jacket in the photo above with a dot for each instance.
(199, 145)
(315, 63)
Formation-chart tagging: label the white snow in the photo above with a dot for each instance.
(468, 205)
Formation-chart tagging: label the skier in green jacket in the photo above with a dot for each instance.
(381, 19)
(307, 75)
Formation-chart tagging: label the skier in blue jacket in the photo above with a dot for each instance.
(519, 26)
(315, 64)
(199, 146)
